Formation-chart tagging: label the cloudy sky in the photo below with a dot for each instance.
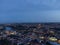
(29, 11)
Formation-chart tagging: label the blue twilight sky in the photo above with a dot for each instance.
(29, 11)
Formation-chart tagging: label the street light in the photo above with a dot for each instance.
(53, 39)
(42, 37)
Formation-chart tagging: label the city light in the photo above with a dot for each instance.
(53, 39)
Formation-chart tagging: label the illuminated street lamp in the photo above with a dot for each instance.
(42, 37)
(53, 39)
(52, 32)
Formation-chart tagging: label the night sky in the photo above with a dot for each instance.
(29, 11)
